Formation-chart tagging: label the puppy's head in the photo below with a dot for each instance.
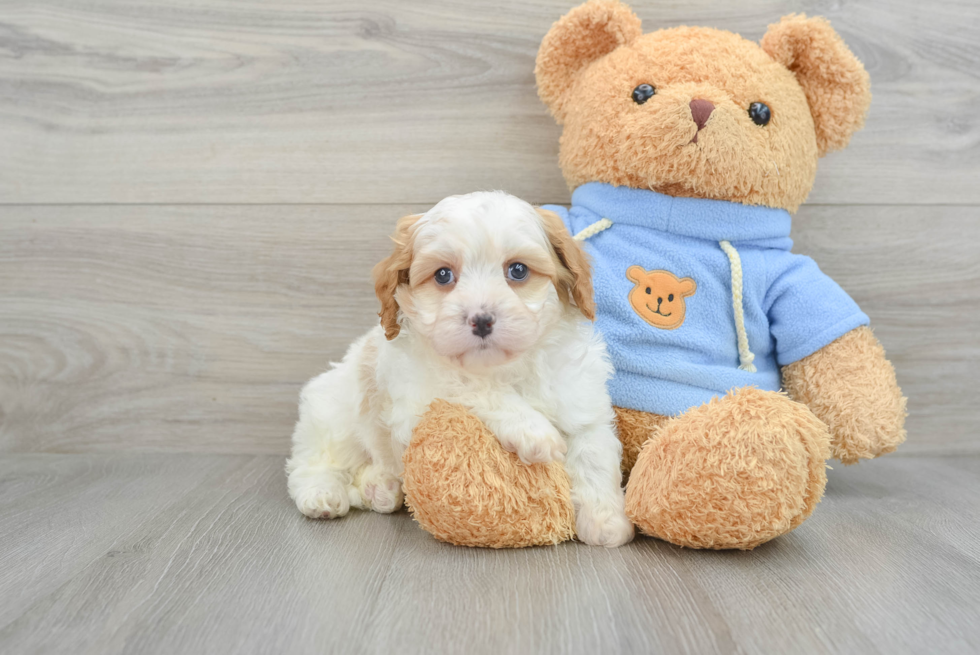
(482, 277)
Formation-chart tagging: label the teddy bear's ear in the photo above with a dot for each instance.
(836, 85)
(580, 37)
(635, 273)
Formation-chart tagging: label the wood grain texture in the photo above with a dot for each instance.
(225, 101)
(195, 553)
(176, 328)
(193, 328)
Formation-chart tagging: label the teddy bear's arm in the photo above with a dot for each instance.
(851, 386)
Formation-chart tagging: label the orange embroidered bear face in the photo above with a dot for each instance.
(658, 296)
(699, 112)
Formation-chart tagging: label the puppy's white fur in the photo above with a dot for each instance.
(537, 380)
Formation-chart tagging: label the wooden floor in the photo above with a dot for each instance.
(192, 195)
(205, 554)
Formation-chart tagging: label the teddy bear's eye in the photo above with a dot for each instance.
(670, 298)
(759, 113)
(648, 291)
(643, 93)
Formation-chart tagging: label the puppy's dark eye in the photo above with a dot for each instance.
(643, 93)
(759, 113)
(648, 291)
(444, 276)
(517, 271)
(670, 298)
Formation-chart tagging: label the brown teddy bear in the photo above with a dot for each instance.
(740, 367)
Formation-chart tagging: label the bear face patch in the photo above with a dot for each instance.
(658, 296)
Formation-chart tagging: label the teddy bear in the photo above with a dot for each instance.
(740, 368)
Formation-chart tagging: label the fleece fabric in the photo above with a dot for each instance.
(791, 309)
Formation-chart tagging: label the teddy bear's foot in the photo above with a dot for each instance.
(464, 488)
(732, 473)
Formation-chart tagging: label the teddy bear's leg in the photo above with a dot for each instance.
(464, 488)
(851, 387)
(634, 429)
(732, 473)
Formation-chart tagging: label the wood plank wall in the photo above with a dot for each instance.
(192, 193)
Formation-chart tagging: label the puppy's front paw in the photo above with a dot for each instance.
(534, 439)
(323, 502)
(603, 526)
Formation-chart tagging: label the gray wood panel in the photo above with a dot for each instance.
(224, 101)
(193, 328)
(190, 553)
(180, 328)
(59, 514)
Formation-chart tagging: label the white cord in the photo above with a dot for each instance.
(594, 229)
(745, 356)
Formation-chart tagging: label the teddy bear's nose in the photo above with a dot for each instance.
(700, 111)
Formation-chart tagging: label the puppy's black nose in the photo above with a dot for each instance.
(482, 324)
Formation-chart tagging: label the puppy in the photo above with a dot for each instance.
(483, 303)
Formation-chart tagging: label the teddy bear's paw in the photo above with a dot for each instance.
(533, 439)
(851, 386)
(602, 526)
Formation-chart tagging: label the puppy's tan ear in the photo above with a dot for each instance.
(580, 37)
(574, 277)
(393, 271)
(836, 85)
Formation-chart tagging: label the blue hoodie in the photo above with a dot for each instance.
(668, 273)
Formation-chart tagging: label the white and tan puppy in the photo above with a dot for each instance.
(484, 302)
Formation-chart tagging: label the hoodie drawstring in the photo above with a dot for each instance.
(594, 229)
(745, 356)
